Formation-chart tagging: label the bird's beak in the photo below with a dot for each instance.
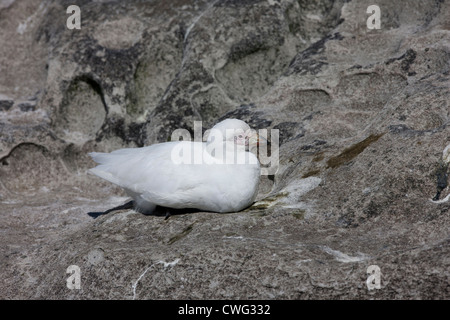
(253, 138)
(255, 141)
(261, 141)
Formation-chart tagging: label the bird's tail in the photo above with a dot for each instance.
(140, 204)
(106, 162)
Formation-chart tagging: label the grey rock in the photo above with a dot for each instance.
(363, 119)
(27, 106)
(5, 103)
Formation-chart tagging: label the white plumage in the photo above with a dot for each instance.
(184, 174)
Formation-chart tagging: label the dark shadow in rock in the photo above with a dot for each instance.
(127, 205)
(168, 212)
(159, 211)
(441, 179)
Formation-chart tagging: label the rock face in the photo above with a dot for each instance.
(363, 118)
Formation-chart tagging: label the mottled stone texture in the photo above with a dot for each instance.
(363, 117)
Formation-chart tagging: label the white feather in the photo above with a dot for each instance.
(151, 176)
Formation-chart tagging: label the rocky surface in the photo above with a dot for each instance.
(363, 118)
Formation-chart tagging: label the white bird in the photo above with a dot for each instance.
(218, 175)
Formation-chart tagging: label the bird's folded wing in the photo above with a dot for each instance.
(149, 170)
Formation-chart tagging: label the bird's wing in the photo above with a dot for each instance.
(155, 172)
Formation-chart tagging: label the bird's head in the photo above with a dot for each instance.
(234, 132)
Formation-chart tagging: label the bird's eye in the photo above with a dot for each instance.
(240, 136)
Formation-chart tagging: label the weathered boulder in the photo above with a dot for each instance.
(363, 119)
